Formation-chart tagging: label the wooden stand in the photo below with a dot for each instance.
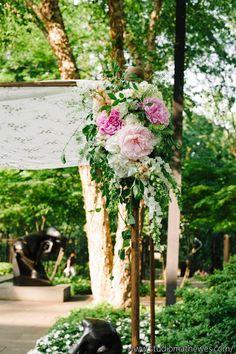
(135, 256)
(152, 297)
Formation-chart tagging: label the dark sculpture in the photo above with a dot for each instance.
(28, 252)
(99, 337)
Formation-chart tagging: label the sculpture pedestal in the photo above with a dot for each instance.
(56, 293)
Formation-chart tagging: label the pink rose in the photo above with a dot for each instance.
(156, 111)
(136, 141)
(108, 125)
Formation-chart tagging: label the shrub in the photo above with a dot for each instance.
(78, 285)
(206, 318)
(144, 289)
(5, 268)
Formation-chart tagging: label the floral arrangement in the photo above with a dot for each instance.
(125, 134)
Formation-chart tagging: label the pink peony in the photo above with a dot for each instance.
(136, 141)
(156, 111)
(108, 125)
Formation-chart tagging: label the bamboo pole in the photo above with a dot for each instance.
(152, 297)
(135, 256)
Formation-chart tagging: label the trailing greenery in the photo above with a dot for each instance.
(205, 318)
(5, 268)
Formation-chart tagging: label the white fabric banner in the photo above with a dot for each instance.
(38, 123)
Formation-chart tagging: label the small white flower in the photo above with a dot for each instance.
(127, 93)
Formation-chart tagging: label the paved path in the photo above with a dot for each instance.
(23, 322)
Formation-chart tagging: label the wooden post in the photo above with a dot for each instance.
(135, 256)
(174, 213)
(152, 297)
(226, 248)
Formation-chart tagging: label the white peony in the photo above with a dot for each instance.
(122, 166)
(112, 144)
(132, 119)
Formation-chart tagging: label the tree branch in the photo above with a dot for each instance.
(34, 10)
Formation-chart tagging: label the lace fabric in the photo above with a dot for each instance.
(38, 125)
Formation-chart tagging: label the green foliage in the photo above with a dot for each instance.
(5, 268)
(78, 285)
(205, 318)
(28, 56)
(29, 196)
(144, 289)
(209, 180)
(225, 278)
(161, 291)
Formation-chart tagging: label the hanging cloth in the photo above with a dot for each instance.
(38, 125)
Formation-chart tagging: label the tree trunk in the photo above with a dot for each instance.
(121, 281)
(99, 238)
(226, 248)
(49, 19)
(116, 17)
(151, 40)
(174, 213)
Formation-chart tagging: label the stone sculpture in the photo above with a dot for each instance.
(99, 337)
(28, 268)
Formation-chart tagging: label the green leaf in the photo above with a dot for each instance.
(105, 108)
(126, 235)
(115, 103)
(89, 131)
(131, 220)
(112, 96)
(126, 243)
(138, 190)
(121, 254)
